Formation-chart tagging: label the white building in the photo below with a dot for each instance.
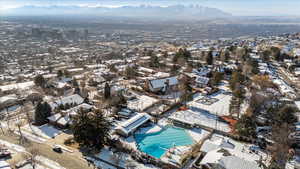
(128, 127)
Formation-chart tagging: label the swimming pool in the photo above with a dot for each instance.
(156, 144)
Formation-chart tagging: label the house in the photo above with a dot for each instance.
(9, 100)
(59, 120)
(141, 103)
(128, 127)
(163, 85)
(70, 100)
(201, 81)
(223, 152)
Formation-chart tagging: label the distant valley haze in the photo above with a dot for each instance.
(210, 8)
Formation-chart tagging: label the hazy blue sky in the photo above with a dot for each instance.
(236, 7)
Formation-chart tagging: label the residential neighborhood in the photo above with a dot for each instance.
(73, 98)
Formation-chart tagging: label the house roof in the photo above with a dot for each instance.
(54, 117)
(69, 99)
(233, 162)
(160, 83)
(133, 123)
(202, 80)
(8, 98)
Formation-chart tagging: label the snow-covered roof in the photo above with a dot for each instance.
(22, 86)
(202, 80)
(73, 99)
(8, 98)
(199, 117)
(239, 155)
(160, 83)
(217, 103)
(133, 123)
(233, 162)
(141, 103)
(54, 117)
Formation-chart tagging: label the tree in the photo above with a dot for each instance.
(75, 83)
(60, 73)
(276, 53)
(183, 54)
(286, 114)
(40, 81)
(42, 112)
(236, 78)
(225, 55)
(91, 129)
(67, 73)
(280, 148)
(265, 55)
(217, 77)
(186, 90)
(107, 91)
(154, 62)
(246, 126)
(130, 72)
(31, 156)
(209, 58)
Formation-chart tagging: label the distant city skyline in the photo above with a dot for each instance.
(235, 7)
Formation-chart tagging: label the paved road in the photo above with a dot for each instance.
(67, 160)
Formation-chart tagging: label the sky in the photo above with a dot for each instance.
(235, 7)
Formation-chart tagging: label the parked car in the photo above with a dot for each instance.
(57, 149)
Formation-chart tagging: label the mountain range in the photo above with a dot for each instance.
(170, 12)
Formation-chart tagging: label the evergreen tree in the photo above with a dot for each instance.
(38, 115)
(246, 126)
(130, 72)
(47, 110)
(91, 129)
(107, 91)
(209, 58)
(42, 112)
(154, 61)
(39, 80)
(60, 73)
(276, 53)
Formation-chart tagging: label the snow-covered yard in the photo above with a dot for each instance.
(123, 160)
(46, 131)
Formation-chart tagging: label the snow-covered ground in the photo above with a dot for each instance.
(37, 166)
(49, 163)
(46, 131)
(42, 160)
(124, 161)
(13, 147)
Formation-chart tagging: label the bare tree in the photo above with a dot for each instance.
(32, 155)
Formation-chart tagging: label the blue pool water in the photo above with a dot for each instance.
(156, 144)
